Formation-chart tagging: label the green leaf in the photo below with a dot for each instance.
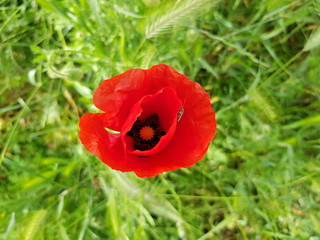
(276, 4)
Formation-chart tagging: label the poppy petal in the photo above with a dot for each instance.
(166, 105)
(115, 96)
(97, 140)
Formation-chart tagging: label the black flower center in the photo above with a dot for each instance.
(146, 133)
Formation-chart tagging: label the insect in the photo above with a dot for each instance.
(181, 111)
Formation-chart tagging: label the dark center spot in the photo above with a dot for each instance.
(146, 133)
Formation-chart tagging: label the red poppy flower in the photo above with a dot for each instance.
(164, 121)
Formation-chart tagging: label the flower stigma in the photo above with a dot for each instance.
(146, 133)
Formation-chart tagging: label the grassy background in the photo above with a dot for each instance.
(259, 60)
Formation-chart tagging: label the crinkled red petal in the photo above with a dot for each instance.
(97, 140)
(166, 105)
(115, 96)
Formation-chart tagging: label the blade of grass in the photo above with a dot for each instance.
(10, 225)
(304, 122)
(19, 116)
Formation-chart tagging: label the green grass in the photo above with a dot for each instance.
(259, 60)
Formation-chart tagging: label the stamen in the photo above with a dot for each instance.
(146, 133)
